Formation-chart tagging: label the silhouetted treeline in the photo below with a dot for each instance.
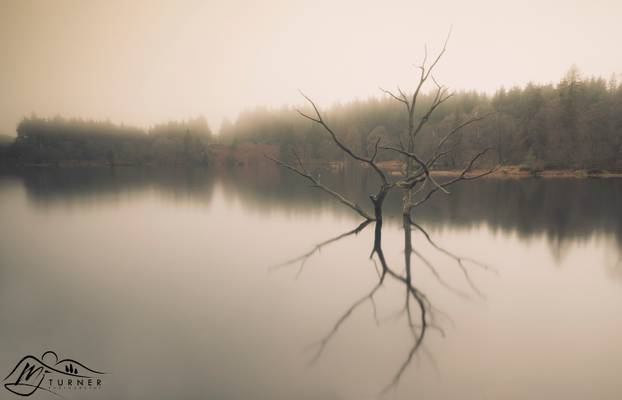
(575, 124)
(5, 143)
(56, 140)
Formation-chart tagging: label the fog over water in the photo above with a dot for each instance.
(161, 278)
(170, 256)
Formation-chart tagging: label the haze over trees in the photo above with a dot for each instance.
(574, 124)
(41, 140)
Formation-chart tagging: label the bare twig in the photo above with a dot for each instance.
(320, 120)
(316, 183)
(461, 177)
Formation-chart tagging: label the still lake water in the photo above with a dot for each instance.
(162, 279)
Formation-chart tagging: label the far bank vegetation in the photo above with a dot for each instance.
(574, 125)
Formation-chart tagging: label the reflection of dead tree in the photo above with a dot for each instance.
(424, 305)
(438, 277)
(413, 296)
(419, 318)
(460, 261)
(303, 258)
(321, 344)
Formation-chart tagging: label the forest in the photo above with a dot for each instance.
(574, 124)
(42, 141)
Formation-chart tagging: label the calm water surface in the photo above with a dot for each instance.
(162, 278)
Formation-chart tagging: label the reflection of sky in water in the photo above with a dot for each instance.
(160, 277)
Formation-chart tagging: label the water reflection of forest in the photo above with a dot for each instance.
(561, 209)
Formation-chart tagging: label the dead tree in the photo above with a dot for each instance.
(419, 185)
(418, 181)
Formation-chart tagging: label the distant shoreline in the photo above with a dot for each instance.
(516, 171)
(393, 168)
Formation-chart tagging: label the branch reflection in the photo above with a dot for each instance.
(420, 314)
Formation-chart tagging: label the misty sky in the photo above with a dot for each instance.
(142, 62)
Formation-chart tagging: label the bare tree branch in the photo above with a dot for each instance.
(373, 157)
(315, 183)
(421, 163)
(320, 120)
(402, 98)
(440, 98)
(461, 177)
(458, 128)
